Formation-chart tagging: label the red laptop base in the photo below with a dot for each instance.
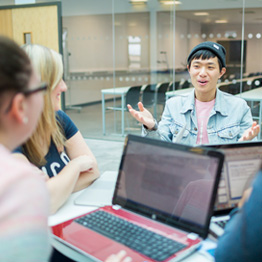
(98, 246)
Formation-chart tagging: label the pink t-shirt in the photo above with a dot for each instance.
(203, 110)
(24, 210)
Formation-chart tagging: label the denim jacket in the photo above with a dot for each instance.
(228, 120)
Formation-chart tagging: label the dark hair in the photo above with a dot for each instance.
(204, 54)
(15, 67)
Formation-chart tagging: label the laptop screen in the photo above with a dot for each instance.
(168, 182)
(242, 161)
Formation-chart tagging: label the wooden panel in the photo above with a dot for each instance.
(6, 25)
(41, 22)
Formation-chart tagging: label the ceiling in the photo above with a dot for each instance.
(217, 9)
(233, 16)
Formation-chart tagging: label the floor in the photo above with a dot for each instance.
(89, 121)
(106, 148)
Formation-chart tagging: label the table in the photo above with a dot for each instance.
(69, 210)
(254, 95)
(115, 91)
(179, 92)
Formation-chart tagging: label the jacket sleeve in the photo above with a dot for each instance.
(246, 121)
(163, 131)
(242, 238)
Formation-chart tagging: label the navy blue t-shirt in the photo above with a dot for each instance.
(57, 161)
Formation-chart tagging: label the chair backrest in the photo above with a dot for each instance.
(133, 96)
(186, 84)
(174, 86)
(234, 88)
(256, 83)
(161, 93)
(148, 95)
(246, 85)
(224, 87)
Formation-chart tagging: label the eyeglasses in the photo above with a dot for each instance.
(41, 88)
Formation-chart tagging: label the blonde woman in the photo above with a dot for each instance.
(57, 147)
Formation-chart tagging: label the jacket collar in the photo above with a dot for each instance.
(220, 104)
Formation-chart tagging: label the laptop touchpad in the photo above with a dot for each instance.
(87, 240)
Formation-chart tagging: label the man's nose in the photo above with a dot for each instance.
(203, 71)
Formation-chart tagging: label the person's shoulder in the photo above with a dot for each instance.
(62, 117)
(61, 114)
(67, 124)
(17, 170)
(179, 98)
(232, 98)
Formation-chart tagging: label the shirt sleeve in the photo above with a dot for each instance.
(242, 238)
(68, 125)
(24, 233)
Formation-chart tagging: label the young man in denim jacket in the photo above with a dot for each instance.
(205, 115)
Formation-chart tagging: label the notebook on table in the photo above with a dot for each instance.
(100, 193)
(242, 161)
(162, 204)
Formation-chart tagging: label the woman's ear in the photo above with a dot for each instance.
(18, 108)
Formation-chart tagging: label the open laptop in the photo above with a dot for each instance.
(162, 204)
(242, 161)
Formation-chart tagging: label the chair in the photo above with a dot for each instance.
(161, 96)
(148, 95)
(224, 88)
(246, 85)
(234, 88)
(174, 86)
(132, 97)
(257, 82)
(186, 84)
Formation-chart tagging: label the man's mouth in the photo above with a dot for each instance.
(202, 82)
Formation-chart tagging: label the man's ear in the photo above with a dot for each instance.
(223, 71)
(18, 108)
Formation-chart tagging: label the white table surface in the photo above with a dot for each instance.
(252, 95)
(179, 92)
(69, 210)
(115, 91)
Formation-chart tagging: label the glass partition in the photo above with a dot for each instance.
(114, 45)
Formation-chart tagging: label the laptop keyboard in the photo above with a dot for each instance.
(146, 242)
(221, 223)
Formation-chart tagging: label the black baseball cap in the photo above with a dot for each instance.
(215, 48)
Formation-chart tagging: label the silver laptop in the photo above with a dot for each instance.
(242, 161)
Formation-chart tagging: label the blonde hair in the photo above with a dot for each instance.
(49, 66)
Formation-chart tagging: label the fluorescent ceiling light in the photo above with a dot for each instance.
(137, 1)
(221, 21)
(201, 13)
(170, 2)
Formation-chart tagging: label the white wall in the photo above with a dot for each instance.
(90, 41)
(254, 47)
